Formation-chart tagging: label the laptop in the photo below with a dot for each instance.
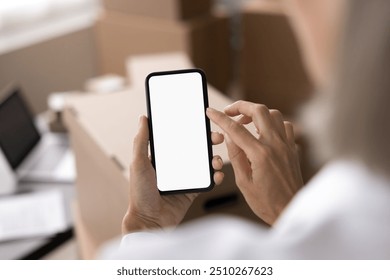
(32, 155)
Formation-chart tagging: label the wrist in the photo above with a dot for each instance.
(135, 222)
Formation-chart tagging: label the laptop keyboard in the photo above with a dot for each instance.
(49, 159)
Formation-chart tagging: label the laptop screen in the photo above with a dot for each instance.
(18, 134)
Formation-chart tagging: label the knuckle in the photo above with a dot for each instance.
(261, 109)
(276, 113)
(257, 107)
(288, 126)
(239, 102)
(233, 126)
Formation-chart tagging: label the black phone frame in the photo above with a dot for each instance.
(207, 122)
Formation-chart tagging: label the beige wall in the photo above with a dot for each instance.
(59, 64)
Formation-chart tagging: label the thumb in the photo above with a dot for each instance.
(141, 141)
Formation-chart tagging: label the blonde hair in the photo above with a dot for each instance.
(351, 118)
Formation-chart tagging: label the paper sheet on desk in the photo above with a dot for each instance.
(66, 170)
(32, 214)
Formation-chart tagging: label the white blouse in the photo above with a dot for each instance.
(342, 213)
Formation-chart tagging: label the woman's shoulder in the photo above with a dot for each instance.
(343, 212)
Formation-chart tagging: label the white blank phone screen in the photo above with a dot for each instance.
(179, 131)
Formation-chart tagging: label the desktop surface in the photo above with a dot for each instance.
(38, 246)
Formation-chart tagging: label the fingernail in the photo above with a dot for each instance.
(139, 120)
(210, 110)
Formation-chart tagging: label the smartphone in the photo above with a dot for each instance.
(180, 137)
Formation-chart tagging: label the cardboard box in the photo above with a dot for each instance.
(205, 40)
(102, 128)
(138, 67)
(61, 63)
(168, 9)
(271, 67)
(86, 243)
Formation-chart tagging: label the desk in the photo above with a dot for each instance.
(36, 248)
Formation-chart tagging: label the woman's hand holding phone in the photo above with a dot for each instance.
(148, 209)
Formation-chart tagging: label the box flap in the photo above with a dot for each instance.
(264, 6)
(111, 120)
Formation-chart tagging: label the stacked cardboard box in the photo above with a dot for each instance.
(271, 66)
(166, 9)
(128, 28)
(271, 70)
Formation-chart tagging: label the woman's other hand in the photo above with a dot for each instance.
(266, 167)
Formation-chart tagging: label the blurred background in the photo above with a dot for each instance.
(246, 47)
(75, 62)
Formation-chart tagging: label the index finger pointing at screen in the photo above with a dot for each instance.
(238, 134)
(259, 113)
